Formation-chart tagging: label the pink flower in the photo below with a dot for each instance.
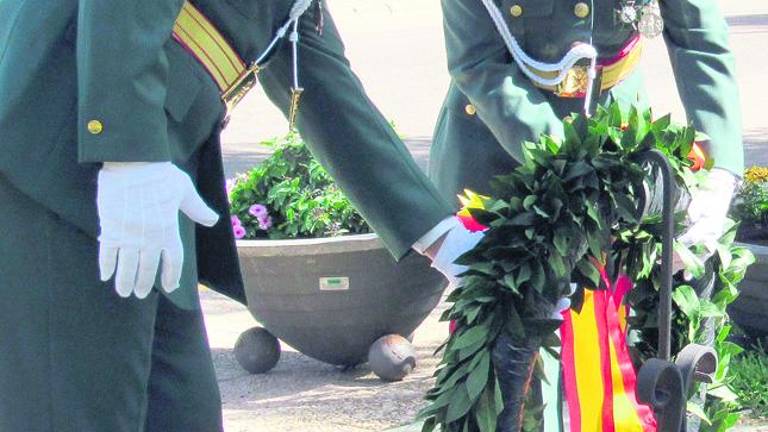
(259, 211)
(236, 221)
(238, 231)
(265, 223)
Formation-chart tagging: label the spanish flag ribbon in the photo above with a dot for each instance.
(598, 375)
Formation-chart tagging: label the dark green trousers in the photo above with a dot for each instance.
(74, 357)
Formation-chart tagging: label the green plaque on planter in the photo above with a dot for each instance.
(337, 283)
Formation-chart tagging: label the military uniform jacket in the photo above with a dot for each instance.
(491, 100)
(86, 81)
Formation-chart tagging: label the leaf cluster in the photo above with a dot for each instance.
(699, 316)
(750, 380)
(300, 195)
(751, 201)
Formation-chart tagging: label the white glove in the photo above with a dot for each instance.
(707, 212)
(458, 241)
(138, 204)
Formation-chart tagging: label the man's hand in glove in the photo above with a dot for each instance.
(139, 204)
(707, 213)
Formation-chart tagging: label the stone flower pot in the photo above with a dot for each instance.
(332, 298)
(750, 310)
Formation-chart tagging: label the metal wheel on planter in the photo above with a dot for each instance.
(257, 350)
(392, 357)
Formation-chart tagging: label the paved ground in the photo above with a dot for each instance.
(397, 44)
(302, 394)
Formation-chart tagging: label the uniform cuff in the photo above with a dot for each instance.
(435, 233)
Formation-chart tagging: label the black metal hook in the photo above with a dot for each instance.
(663, 385)
(658, 158)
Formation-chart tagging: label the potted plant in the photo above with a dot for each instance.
(316, 276)
(751, 208)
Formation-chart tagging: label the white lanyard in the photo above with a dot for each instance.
(292, 23)
(526, 63)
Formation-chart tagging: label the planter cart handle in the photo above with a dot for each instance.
(664, 385)
(657, 158)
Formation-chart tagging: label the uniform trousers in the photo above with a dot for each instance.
(75, 357)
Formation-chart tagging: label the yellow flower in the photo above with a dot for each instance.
(756, 174)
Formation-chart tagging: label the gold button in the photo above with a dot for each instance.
(470, 109)
(516, 10)
(95, 127)
(581, 10)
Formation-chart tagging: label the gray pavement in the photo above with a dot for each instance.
(396, 47)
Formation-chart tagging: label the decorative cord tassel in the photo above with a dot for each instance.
(296, 90)
(292, 23)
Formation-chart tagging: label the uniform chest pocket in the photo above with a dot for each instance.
(520, 14)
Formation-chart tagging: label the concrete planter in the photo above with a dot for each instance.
(750, 311)
(332, 298)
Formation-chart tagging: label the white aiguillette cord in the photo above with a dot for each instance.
(526, 63)
(292, 23)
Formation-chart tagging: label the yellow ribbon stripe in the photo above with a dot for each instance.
(615, 73)
(611, 75)
(625, 416)
(196, 33)
(589, 363)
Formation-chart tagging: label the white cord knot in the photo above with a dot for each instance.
(298, 9)
(529, 65)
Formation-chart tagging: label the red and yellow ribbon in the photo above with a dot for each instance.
(471, 200)
(599, 377)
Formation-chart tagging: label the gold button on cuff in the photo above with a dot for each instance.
(470, 109)
(581, 10)
(95, 127)
(516, 10)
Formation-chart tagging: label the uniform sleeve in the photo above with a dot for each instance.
(122, 73)
(353, 140)
(696, 34)
(480, 65)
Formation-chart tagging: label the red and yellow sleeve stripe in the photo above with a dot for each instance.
(201, 38)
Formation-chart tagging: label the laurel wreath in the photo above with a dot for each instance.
(570, 206)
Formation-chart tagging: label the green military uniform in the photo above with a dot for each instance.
(492, 107)
(85, 81)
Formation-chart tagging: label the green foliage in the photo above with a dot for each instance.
(751, 202)
(300, 196)
(696, 318)
(750, 381)
(571, 206)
